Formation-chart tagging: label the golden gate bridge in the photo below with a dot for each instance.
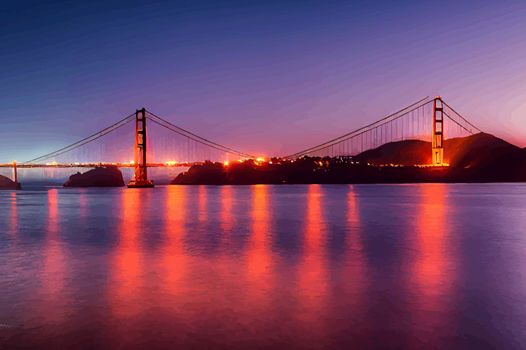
(155, 142)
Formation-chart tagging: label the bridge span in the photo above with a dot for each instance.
(168, 145)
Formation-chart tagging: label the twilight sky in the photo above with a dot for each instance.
(268, 77)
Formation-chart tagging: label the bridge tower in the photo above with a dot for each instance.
(15, 176)
(15, 172)
(140, 179)
(438, 132)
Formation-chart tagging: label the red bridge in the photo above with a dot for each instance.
(155, 138)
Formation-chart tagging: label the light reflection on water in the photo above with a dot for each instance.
(433, 268)
(413, 266)
(53, 277)
(13, 214)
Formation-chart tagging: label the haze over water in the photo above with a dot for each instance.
(338, 266)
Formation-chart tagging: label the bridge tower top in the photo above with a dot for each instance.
(140, 179)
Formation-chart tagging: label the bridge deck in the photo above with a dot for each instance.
(93, 165)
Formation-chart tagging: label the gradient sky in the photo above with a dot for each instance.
(269, 77)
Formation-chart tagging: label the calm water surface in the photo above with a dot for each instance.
(332, 267)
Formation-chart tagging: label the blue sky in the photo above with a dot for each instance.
(264, 77)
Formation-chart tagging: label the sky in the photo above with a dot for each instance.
(265, 77)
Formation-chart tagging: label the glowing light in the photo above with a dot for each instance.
(226, 163)
(170, 163)
(259, 160)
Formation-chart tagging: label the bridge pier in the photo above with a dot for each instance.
(140, 179)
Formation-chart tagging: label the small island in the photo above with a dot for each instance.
(103, 176)
(477, 158)
(8, 184)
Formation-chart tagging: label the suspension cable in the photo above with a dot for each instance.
(365, 128)
(464, 119)
(183, 132)
(86, 140)
(462, 126)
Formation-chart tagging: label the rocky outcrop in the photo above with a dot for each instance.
(106, 176)
(7, 184)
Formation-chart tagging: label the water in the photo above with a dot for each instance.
(394, 266)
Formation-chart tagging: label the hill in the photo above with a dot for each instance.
(482, 156)
(477, 158)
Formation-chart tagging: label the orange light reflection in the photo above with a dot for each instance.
(432, 269)
(54, 267)
(173, 262)
(259, 258)
(313, 275)
(124, 288)
(227, 221)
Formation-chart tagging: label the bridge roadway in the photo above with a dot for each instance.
(93, 165)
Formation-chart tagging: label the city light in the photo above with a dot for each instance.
(259, 160)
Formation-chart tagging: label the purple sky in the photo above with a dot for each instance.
(264, 77)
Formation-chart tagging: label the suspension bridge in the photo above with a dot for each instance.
(145, 140)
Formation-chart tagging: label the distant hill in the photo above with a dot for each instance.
(477, 158)
(482, 155)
